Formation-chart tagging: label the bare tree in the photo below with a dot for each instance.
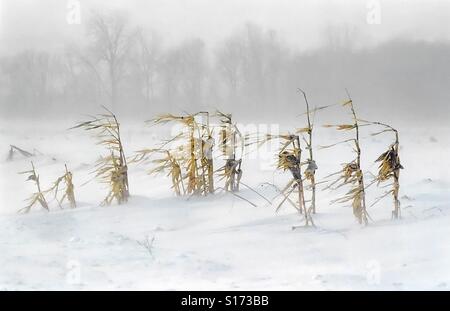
(194, 69)
(171, 74)
(79, 85)
(112, 40)
(148, 60)
(34, 68)
(183, 71)
(229, 62)
(251, 63)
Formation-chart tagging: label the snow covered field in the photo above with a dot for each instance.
(220, 242)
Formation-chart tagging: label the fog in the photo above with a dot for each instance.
(59, 59)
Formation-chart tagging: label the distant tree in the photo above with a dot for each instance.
(79, 85)
(170, 69)
(28, 77)
(230, 61)
(183, 71)
(149, 54)
(112, 39)
(194, 70)
(251, 63)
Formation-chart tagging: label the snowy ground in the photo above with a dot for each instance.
(220, 242)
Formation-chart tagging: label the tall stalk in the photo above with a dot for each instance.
(389, 167)
(290, 159)
(359, 208)
(37, 197)
(311, 169)
(351, 173)
(111, 169)
(207, 144)
(228, 140)
(396, 211)
(299, 182)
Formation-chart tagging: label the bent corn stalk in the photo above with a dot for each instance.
(39, 195)
(389, 167)
(112, 169)
(351, 173)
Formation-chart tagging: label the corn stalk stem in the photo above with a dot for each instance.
(362, 216)
(396, 213)
(310, 149)
(299, 182)
(123, 159)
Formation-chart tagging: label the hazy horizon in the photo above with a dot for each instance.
(303, 24)
(235, 55)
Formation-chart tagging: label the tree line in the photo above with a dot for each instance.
(129, 69)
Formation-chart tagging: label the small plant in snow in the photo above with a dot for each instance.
(147, 244)
(39, 195)
(69, 193)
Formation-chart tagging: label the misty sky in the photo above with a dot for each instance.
(303, 24)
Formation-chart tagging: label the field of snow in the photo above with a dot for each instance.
(220, 242)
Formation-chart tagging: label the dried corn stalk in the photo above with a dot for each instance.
(111, 169)
(69, 193)
(351, 173)
(37, 197)
(13, 149)
(389, 168)
(207, 145)
(190, 162)
(166, 162)
(289, 158)
(189, 155)
(228, 144)
(310, 170)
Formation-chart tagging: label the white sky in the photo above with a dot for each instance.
(42, 24)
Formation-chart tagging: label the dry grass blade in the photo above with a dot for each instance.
(338, 143)
(238, 196)
(257, 193)
(13, 149)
